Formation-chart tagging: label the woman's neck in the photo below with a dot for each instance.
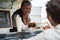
(25, 20)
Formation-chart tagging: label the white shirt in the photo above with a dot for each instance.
(20, 24)
(49, 34)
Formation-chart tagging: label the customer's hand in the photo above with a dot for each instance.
(46, 27)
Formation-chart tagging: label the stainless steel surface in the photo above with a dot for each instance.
(18, 35)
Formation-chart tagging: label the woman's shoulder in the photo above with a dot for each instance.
(17, 11)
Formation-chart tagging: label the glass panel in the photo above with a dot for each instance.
(5, 19)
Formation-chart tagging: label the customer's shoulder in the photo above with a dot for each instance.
(49, 32)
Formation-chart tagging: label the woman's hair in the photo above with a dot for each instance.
(53, 8)
(25, 2)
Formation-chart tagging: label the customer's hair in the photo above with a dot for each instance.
(25, 2)
(53, 8)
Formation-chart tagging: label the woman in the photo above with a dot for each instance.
(23, 12)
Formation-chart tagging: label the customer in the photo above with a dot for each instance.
(53, 15)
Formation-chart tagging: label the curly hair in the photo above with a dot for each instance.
(25, 2)
(53, 8)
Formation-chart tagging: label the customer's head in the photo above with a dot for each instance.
(26, 7)
(53, 12)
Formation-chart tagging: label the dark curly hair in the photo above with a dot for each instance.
(25, 2)
(53, 8)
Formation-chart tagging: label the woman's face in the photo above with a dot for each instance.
(26, 9)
